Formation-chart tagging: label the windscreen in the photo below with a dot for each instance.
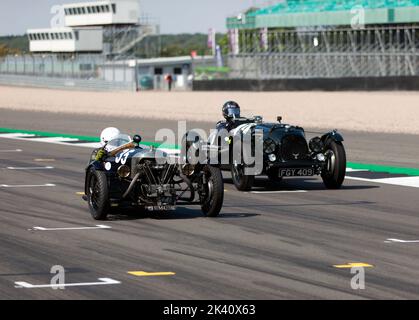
(118, 141)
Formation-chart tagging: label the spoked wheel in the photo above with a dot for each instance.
(214, 191)
(98, 195)
(335, 171)
(240, 180)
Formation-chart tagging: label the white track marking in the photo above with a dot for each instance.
(401, 241)
(16, 135)
(91, 145)
(360, 179)
(355, 170)
(27, 185)
(53, 139)
(66, 141)
(273, 192)
(68, 229)
(30, 168)
(403, 182)
(11, 151)
(103, 282)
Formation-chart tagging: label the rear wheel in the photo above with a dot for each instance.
(98, 194)
(240, 180)
(335, 171)
(214, 190)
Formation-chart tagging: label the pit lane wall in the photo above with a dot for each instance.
(64, 83)
(408, 83)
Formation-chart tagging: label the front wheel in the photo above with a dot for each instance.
(214, 192)
(335, 172)
(98, 194)
(240, 180)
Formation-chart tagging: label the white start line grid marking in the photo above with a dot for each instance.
(274, 192)
(29, 168)
(401, 241)
(102, 282)
(70, 229)
(48, 185)
(11, 151)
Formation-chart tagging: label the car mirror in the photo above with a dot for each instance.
(137, 139)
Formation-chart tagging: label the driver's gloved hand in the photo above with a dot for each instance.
(101, 154)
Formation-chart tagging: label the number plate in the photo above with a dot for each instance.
(161, 208)
(296, 172)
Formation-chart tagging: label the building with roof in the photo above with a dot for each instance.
(100, 13)
(66, 40)
(110, 27)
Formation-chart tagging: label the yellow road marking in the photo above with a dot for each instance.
(150, 274)
(44, 160)
(354, 265)
(80, 193)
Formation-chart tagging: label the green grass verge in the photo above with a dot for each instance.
(352, 165)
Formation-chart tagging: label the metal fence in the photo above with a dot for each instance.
(64, 83)
(66, 71)
(326, 53)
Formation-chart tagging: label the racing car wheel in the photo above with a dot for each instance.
(334, 173)
(97, 194)
(240, 180)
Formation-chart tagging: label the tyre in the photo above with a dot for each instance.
(273, 175)
(334, 173)
(214, 187)
(240, 180)
(98, 194)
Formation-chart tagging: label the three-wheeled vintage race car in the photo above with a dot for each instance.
(146, 178)
(286, 152)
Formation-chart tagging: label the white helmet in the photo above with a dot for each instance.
(109, 134)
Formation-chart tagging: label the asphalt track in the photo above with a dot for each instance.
(267, 245)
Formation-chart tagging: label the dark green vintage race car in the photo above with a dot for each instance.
(286, 152)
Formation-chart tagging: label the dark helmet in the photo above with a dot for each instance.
(231, 109)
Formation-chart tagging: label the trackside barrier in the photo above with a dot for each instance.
(63, 83)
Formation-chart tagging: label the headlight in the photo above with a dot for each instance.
(316, 145)
(321, 157)
(269, 146)
(272, 157)
(124, 171)
(188, 170)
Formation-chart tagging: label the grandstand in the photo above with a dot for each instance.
(300, 13)
(326, 39)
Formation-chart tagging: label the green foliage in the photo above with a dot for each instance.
(164, 46)
(13, 45)
(211, 73)
(178, 45)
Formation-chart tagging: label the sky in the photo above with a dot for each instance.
(174, 16)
